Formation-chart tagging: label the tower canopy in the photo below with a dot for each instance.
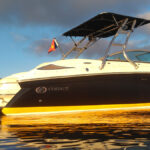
(104, 25)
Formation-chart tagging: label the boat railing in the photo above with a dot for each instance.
(123, 46)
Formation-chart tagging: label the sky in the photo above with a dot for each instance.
(27, 28)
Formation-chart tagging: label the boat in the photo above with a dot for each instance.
(9, 86)
(119, 80)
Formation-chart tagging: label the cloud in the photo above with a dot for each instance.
(39, 47)
(145, 15)
(63, 12)
(19, 37)
(145, 29)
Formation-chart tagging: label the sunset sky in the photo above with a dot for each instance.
(28, 26)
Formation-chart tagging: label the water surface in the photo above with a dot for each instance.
(101, 130)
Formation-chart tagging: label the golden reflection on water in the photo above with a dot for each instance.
(117, 116)
(100, 129)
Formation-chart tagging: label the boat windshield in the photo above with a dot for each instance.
(135, 55)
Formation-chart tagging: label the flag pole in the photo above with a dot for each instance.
(61, 51)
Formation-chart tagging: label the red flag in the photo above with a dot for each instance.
(53, 46)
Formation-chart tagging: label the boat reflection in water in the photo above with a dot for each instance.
(120, 129)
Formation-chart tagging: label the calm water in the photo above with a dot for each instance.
(103, 130)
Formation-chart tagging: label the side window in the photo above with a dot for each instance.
(53, 67)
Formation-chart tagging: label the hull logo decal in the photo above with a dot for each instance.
(41, 90)
(58, 89)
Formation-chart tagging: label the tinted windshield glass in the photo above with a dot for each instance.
(143, 56)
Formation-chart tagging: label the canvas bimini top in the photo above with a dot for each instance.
(104, 25)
